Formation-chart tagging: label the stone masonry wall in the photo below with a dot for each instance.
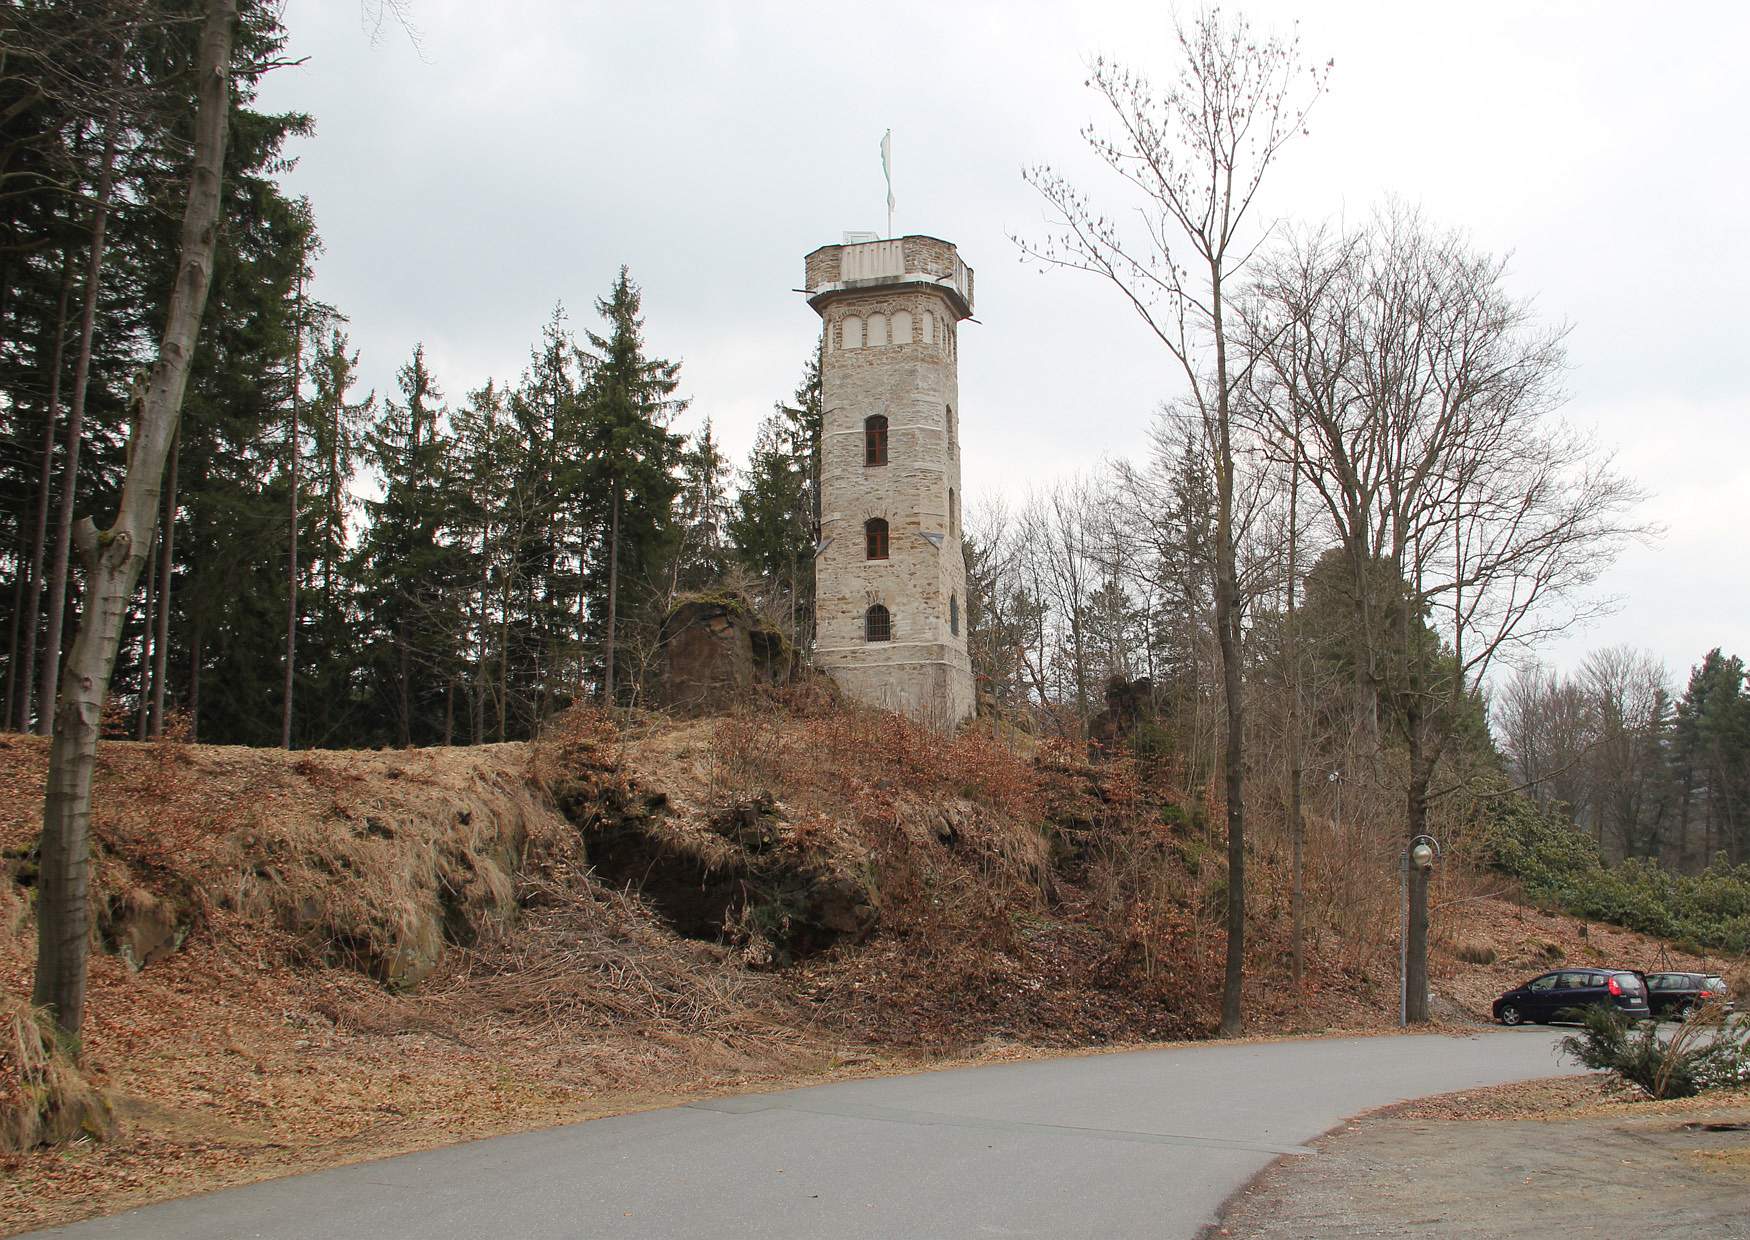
(924, 670)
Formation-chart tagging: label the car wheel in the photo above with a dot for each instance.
(1511, 1015)
(1685, 1011)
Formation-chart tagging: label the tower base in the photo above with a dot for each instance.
(928, 681)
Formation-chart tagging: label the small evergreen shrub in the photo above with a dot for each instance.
(1705, 1053)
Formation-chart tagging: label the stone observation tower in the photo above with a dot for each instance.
(890, 580)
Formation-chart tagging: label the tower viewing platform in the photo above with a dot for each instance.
(857, 266)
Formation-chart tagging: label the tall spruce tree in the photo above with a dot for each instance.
(1711, 752)
(550, 527)
(702, 554)
(776, 521)
(631, 461)
(408, 572)
(329, 711)
(485, 466)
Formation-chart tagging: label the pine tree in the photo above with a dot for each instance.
(336, 426)
(228, 605)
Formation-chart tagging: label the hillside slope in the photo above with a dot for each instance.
(311, 958)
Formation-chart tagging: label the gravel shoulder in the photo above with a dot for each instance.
(1569, 1155)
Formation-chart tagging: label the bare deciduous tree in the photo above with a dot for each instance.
(1547, 727)
(1630, 700)
(114, 557)
(1195, 154)
(1470, 518)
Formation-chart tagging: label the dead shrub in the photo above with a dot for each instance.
(44, 1099)
(743, 751)
(587, 961)
(581, 735)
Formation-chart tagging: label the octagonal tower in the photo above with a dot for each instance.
(890, 579)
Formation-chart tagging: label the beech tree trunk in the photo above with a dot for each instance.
(113, 557)
(76, 425)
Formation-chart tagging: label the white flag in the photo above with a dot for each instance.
(887, 166)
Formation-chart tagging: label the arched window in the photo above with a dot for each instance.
(875, 539)
(877, 330)
(877, 624)
(953, 512)
(929, 327)
(954, 614)
(875, 440)
(902, 327)
(852, 333)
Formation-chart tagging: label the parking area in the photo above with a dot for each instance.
(1543, 1158)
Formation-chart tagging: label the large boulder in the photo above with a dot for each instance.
(715, 650)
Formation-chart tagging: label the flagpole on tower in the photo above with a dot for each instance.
(887, 171)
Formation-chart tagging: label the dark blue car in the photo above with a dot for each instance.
(1554, 996)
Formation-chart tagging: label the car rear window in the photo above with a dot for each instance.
(1716, 983)
(1629, 982)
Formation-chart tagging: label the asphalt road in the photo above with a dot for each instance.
(1146, 1143)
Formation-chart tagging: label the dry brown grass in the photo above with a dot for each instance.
(1024, 899)
(44, 1098)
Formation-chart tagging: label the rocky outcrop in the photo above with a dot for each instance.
(141, 926)
(715, 650)
(1129, 706)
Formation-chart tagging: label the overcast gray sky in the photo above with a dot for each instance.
(529, 147)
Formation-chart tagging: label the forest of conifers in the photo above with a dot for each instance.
(452, 549)
(436, 565)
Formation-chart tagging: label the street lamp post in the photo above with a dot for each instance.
(1418, 860)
